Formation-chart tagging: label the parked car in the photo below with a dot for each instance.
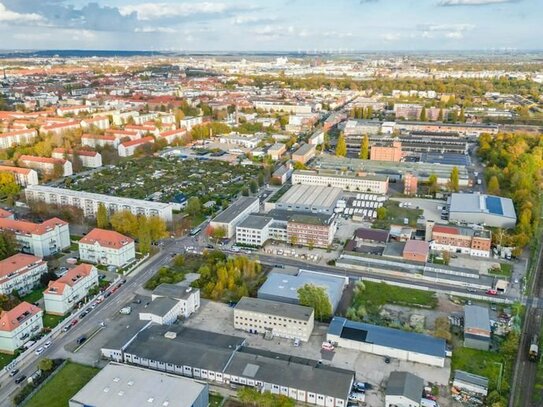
(47, 344)
(81, 339)
(67, 328)
(492, 292)
(39, 351)
(20, 379)
(13, 372)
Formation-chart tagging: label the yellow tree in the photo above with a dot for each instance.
(341, 146)
(365, 148)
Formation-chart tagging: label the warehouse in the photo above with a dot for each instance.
(379, 340)
(236, 213)
(477, 327)
(484, 209)
(307, 198)
(346, 180)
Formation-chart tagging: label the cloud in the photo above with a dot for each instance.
(455, 35)
(252, 19)
(155, 30)
(474, 2)
(157, 11)
(15, 17)
(445, 27)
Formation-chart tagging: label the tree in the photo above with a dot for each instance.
(423, 114)
(216, 233)
(102, 217)
(381, 213)
(260, 179)
(341, 146)
(8, 244)
(433, 187)
(493, 186)
(245, 191)
(157, 228)
(125, 222)
(364, 148)
(316, 297)
(144, 237)
(253, 186)
(293, 240)
(45, 365)
(440, 115)
(8, 185)
(194, 207)
(462, 116)
(454, 180)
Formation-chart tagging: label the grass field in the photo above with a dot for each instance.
(64, 385)
(505, 270)
(382, 293)
(478, 362)
(50, 321)
(397, 215)
(215, 400)
(5, 359)
(34, 296)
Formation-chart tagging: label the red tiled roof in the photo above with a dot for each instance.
(106, 238)
(416, 246)
(18, 133)
(98, 137)
(87, 153)
(45, 160)
(17, 170)
(71, 278)
(450, 230)
(143, 140)
(25, 227)
(9, 320)
(4, 213)
(17, 262)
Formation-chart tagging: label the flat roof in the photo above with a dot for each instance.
(235, 209)
(120, 385)
(125, 332)
(304, 149)
(308, 195)
(280, 309)
(476, 317)
(481, 203)
(255, 222)
(471, 378)
(178, 291)
(388, 337)
(160, 306)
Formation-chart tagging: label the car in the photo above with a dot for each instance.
(20, 379)
(123, 281)
(13, 372)
(67, 328)
(472, 290)
(47, 344)
(39, 351)
(74, 322)
(81, 339)
(492, 292)
(360, 387)
(93, 305)
(138, 301)
(83, 314)
(107, 294)
(88, 310)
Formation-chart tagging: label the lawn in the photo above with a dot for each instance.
(63, 386)
(505, 270)
(50, 321)
(382, 293)
(215, 400)
(34, 296)
(397, 215)
(479, 362)
(5, 359)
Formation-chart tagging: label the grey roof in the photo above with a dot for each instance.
(125, 333)
(160, 306)
(394, 249)
(388, 337)
(377, 235)
(190, 347)
(284, 287)
(255, 222)
(234, 210)
(471, 378)
(178, 291)
(118, 385)
(481, 203)
(476, 317)
(280, 309)
(308, 195)
(304, 149)
(343, 174)
(288, 371)
(405, 384)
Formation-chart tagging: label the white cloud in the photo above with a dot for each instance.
(155, 11)
(446, 27)
(474, 2)
(155, 30)
(389, 37)
(454, 35)
(251, 19)
(12, 16)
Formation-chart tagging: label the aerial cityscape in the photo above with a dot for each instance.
(276, 204)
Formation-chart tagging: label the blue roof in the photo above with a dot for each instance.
(494, 205)
(389, 337)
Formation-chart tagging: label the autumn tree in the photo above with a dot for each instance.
(194, 207)
(442, 328)
(125, 222)
(365, 148)
(102, 216)
(493, 187)
(423, 114)
(144, 236)
(317, 298)
(454, 180)
(433, 187)
(157, 228)
(8, 185)
(45, 365)
(8, 244)
(341, 146)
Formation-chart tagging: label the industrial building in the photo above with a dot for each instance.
(488, 210)
(284, 320)
(404, 389)
(236, 213)
(470, 383)
(307, 198)
(119, 385)
(346, 180)
(379, 340)
(459, 239)
(477, 331)
(281, 286)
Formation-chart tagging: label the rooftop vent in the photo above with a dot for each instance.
(170, 335)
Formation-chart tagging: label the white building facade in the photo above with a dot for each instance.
(348, 182)
(107, 247)
(21, 272)
(18, 325)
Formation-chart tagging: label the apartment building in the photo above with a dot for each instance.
(189, 122)
(89, 202)
(407, 111)
(108, 247)
(73, 110)
(20, 272)
(277, 150)
(89, 159)
(304, 153)
(128, 148)
(236, 213)
(459, 239)
(23, 176)
(291, 321)
(97, 140)
(311, 230)
(171, 135)
(276, 106)
(143, 129)
(63, 294)
(40, 239)
(170, 302)
(124, 134)
(348, 181)
(18, 325)
(46, 165)
(98, 122)
(391, 152)
(17, 137)
(59, 128)
(410, 184)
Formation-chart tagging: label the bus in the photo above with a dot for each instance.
(533, 353)
(195, 231)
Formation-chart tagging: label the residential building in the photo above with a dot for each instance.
(89, 202)
(21, 273)
(63, 294)
(40, 239)
(253, 230)
(387, 153)
(120, 385)
(347, 181)
(73, 110)
(308, 198)
(170, 302)
(255, 315)
(23, 176)
(305, 153)
(128, 148)
(410, 184)
(311, 229)
(459, 239)
(96, 140)
(277, 106)
(282, 174)
(237, 212)
(98, 122)
(18, 138)
(248, 141)
(482, 209)
(172, 135)
(316, 138)
(46, 165)
(283, 286)
(403, 389)
(477, 331)
(189, 122)
(470, 383)
(383, 341)
(58, 129)
(407, 111)
(416, 250)
(89, 159)
(108, 247)
(18, 325)
(6, 214)
(277, 150)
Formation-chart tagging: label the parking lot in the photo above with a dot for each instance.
(429, 207)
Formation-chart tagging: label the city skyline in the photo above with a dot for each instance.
(291, 25)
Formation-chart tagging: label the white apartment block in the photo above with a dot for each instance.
(291, 321)
(376, 184)
(128, 148)
(18, 325)
(23, 176)
(45, 164)
(18, 137)
(189, 122)
(108, 247)
(99, 122)
(60, 128)
(89, 159)
(21, 272)
(95, 140)
(172, 135)
(40, 239)
(73, 110)
(268, 106)
(89, 202)
(63, 294)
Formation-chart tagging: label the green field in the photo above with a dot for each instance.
(5, 359)
(382, 293)
(50, 321)
(215, 400)
(478, 362)
(505, 270)
(33, 296)
(396, 215)
(63, 386)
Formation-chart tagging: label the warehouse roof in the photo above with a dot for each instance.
(405, 384)
(476, 317)
(281, 309)
(234, 210)
(308, 195)
(481, 203)
(388, 337)
(471, 378)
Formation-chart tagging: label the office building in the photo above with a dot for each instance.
(254, 230)
(236, 213)
(391, 152)
(305, 153)
(347, 181)
(18, 325)
(313, 230)
(21, 273)
(170, 302)
(107, 247)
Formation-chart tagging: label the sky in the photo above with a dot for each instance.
(272, 25)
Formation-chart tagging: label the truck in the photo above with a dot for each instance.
(533, 352)
(126, 310)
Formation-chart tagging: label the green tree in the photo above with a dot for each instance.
(245, 191)
(317, 298)
(462, 116)
(45, 365)
(8, 185)
(144, 236)
(125, 222)
(493, 186)
(454, 180)
(194, 207)
(102, 217)
(260, 179)
(423, 114)
(433, 186)
(8, 244)
(341, 146)
(365, 148)
(253, 186)
(381, 213)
